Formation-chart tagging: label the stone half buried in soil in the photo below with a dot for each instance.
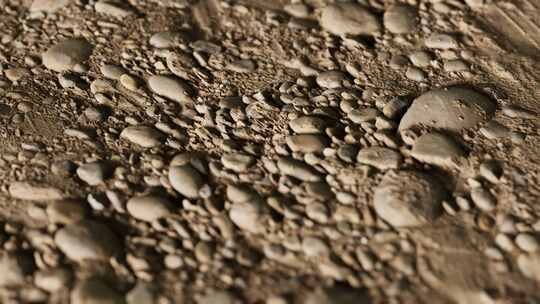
(408, 198)
(453, 108)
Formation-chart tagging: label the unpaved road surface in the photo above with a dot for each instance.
(272, 152)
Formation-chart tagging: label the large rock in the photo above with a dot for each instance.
(453, 108)
(349, 18)
(408, 198)
(65, 55)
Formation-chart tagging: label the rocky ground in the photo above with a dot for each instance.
(272, 152)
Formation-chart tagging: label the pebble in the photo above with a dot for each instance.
(380, 157)
(314, 247)
(112, 71)
(298, 169)
(331, 79)
(247, 216)
(307, 143)
(529, 265)
(527, 242)
(308, 125)
(48, 6)
(12, 269)
(112, 9)
(241, 193)
(31, 192)
(363, 115)
(186, 180)
(93, 173)
(168, 39)
(491, 171)
(408, 198)
(52, 279)
(16, 74)
(454, 109)
(421, 59)
(437, 149)
(172, 88)
(441, 41)
(483, 199)
(144, 136)
(149, 208)
(65, 55)
(455, 65)
(395, 108)
(416, 74)
(400, 19)
(87, 240)
(66, 212)
(345, 18)
(237, 162)
(297, 10)
(95, 291)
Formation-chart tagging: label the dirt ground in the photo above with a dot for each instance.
(278, 151)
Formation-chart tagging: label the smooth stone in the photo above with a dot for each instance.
(112, 9)
(453, 109)
(483, 199)
(186, 180)
(349, 19)
(380, 157)
(307, 143)
(53, 279)
(308, 125)
(297, 10)
(400, 19)
(66, 212)
(168, 39)
(495, 130)
(93, 173)
(331, 79)
(112, 71)
(437, 149)
(441, 41)
(48, 6)
(12, 269)
(237, 162)
(144, 136)
(314, 247)
(30, 192)
(421, 59)
(172, 88)
(298, 169)
(247, 216)
(149, 208)
(416, 74)
(95, 291)
(408, 198)
(65, 55)
(527, 242)
(364, 115)
(87, 240)
(241, 193)
(529, 265)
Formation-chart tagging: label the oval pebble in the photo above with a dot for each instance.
(172, 88)
(380, 157)
(307, 143)
(186, 180)
(144, 136)
(149, 208)
(349, 18)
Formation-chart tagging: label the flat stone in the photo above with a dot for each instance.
(441, 41)
(349, 18)
(308, 125)
(453, 109)
(87, 240)
(149, 208)
(483, 199)
(172, 88)
(331, 79)
(53, 279)
(112, 71)
(167, 39)
(307, 143)
(48, 6)
(144, 136)
(65, 55)
(408, 198)
(298, 169)
(364, 115)
(237, 162)
(380, 157)
(527, 242)
(437, 149)
(31, 192)
(95, 291)
(186, 180)
(400, 19)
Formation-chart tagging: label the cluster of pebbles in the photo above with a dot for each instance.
(154, 152)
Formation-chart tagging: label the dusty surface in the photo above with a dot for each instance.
(247, 151)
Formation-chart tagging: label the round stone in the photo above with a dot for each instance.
(149, 208)
(349, 18)
(65, 55)
(527, 242)
(453, 109)
(408, 198)
(87, 240)
(93, 173)
(186, 180)
(400, 19)
(307, 143)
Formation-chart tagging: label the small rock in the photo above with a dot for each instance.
(66, 212)
(364, 115)
(217, 297)
(237, 162)
(248, 215)
(144, 136)
(314, 247)
(65, 55)
(30, 192)
(149, 208)
(112, 71)
(483, 199)
(421, 59)
(167, 39)
(186, 180)
(12, 269)
(527, 242)
(172, 88)
(307, 143)
(298, 169)
(437, 149)
(529, 265)
(87, 240)
(380, 157)
(112, 9)
(53, 279)
(416, 74)
(93, 173)
(242, 66)
(142, 293)
(331, 79)
(400, 19)
(345, 18)
(455, 65)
